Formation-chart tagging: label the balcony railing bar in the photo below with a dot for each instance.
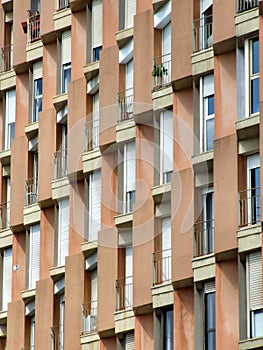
(33, 28)
(249, 207)
(60, 164)
(62, 4)
(162, 266)
(124, 292)
(4, 215)
(125, 104)
(91, 137)
(204, 237)
(244, 5)
(57, 337)
(161, 71)
(31, 191)
(89, 317)
(7, 58)
(202, 33)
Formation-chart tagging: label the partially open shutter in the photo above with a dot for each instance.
(129, 341)
(63, 230)
(130, 166)
(66, 47)
(209, 287)
(255, 280)
(34, 255)
(7, 277)
(96, 23)
(37, 70)
(94, 205)
(166, 140)
(130, 12)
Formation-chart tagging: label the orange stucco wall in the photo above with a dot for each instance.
(144, 332)
(78, 29)
(47, 229)
(15, 325)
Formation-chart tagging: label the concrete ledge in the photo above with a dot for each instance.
(91, 160)
(124, 321)
(204, 267)
(125, 130)
(34, 51)
(88, 248)
(3, 315)
(90, 341)
(6, 238)
(202, 62)
(202, 158)
(161, 192)
(5, 156)
(162, 98)
(60, 101)
(62, 19)
(256, 343)
(123, 220)
(31, 214)
(248, 145)
(162, 295)
(248, 122)
(60, 188)
(247, 22)
(249, 238)
(57, 272)
(28, 294)
(7, 80)
(31, 129)
(91, 70)
(122, 36)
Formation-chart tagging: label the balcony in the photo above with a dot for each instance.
(161, 71)
(125, 104)
(33, 28)
(249, 207)
(7, 58)
(60, 164)
(57, 337)
(62, 4)
(89, 317)
(4, 215)
(124, 289)
(244, 5)
(204, 238)
(202, 33)
(31, 191)
(162, 265)
(91, 137)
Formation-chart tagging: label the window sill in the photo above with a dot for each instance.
(62, 19)
(57, 272)
(204, 267)
(124, 320)
(91, 70)
(31, 129)
(162, 294)
(89, 248)
(161, 193)
(5, 156)
(247, 22)
(203, 61)
(124, 220)
(7, 80)
(162, 97)
(247, 344)
(248, 127)
(28, 294)
(59, 101)
(249, 238)
(123, 36)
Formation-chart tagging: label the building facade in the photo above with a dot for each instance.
(130, 174)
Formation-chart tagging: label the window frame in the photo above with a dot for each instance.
(249, 76)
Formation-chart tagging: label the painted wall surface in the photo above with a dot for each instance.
(144, 337)
(108, 344)
(20, 38)
(110, 20)
(22, 104)
(50, 67)
(47, 9)
(15, 325)
(224, 13)
(78, 32)
(19, 258)
(47, 237)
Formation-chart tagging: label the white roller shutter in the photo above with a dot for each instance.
(166, 141)
(94, 204)
(63, 230)
(130, 157)
(130, 9)
(37, 70)
(66, 47)
(7, 278)
(166, 41)
(128, 276)
(96, 23)
(129, 341)
(95, 120)
(34, 252)
(129, 75)
(208, 85)
(209, 287)
(94, 288)
(10, 116)
(254, 261)
(166, 249)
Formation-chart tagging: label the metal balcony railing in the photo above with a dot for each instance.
(125, 104)
(60, 164)
(244, 5)
(31, 191)
(162, 266)
(57, 337)
(89, 317)
(204, 237)
(202, 33)
(91, 137)
(62, 4)
(124, 289)
(7, 58)
(4, 215)
(161, 71)
(33, 28)
(249, 207)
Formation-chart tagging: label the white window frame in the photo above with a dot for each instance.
(204, 116)
(166, 134)
(253, 162)
(128, 194)
(166, 249)
(209, 288)
(97, 27)
(37, 76)
(65, 59)
(61, 321)
(94, 201)
(128, 276)
(95, 120)
(63, 232)
(130, 12)
(34, 256)
(205, 224)
(7, 277)
(10, 116)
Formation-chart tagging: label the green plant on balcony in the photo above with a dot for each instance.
(158, 73)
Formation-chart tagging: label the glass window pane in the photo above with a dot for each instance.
(209, 134)
(210, 311)
(211, 341)
(210, 105)
(168, 330)
(255, 95)
(257, 323)
(66, 77)
(255, 56)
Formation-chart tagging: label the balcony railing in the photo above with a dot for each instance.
(202, 33)
(161, 71)
(125, 104)
(60, 164)
(62, 4)
(91, 138)
(124, 293)
(204, 237)
(244, 5)
(4, 215)
(89, 317)
(31, 191)
(249, 207)
(162, 265)
(7, 58)
(57, 337)
(33, 28)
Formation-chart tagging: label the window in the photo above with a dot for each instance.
(128, 277)
(128, 166)
(63, 231)
(34, 256)
(7, 50)
(94, 204)
(252, 49)
(206, 19)
(31, 184)
(37, 91)
(10, 117)
(253, 179)
(164, 330)
(60, 157)
(210, 316)
(127, 12)
(97, 8)
(61, 321)
(166, 249)
(254, 295)
(95, 120)
(32, 332)
(166, 146)
(65, 60)
(207, 112)
(5, 205)
(91, 295)
(7, 277)
(127, 343)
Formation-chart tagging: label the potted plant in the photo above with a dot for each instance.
(158, 72)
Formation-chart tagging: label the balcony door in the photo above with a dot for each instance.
(208, 222)
(253, 186)
(206, 12)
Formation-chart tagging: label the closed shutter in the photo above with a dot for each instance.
(94, 289)
(66, 47)
(7, 277)
(166, 249)
(166, 139)
(255, 280)
(128, 276)
(95, 120)
(37, 70)
(130, 166)
(10, 117)
(94, 205)
(166, 41)
(34, 252)
(129, 341)
(130, 12)
(63, 230)
(209, 287)
(96, 23)
(208, 85)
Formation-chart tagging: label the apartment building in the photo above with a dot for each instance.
(130, 174)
